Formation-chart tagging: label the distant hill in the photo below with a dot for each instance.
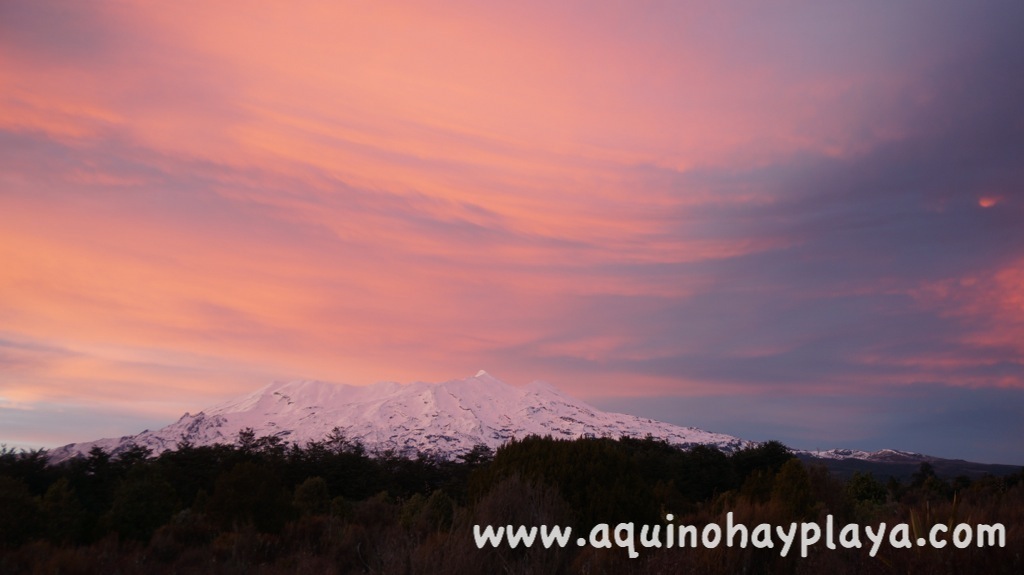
(903, 469)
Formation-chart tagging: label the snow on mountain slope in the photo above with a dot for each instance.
(882, 456)
(443, 418)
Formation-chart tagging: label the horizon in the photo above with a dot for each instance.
(799, 223)
(480, 373)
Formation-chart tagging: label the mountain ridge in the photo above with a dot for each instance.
(446, 419)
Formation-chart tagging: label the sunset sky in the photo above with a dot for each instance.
(795, 221)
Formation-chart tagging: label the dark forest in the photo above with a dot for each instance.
(263, 506)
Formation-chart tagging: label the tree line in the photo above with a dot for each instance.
(261, 505)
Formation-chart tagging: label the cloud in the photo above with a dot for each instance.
(659, 199)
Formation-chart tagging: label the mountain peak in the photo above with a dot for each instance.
(485, 377)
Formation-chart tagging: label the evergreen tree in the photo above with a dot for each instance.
(62, 513)
(250, 494)
(142, 502)
(19, 512)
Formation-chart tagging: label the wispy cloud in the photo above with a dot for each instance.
(627, 200)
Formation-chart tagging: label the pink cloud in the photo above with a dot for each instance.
(394, 191)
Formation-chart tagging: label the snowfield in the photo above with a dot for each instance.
(445, 419)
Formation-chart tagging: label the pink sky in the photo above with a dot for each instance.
(624, 199)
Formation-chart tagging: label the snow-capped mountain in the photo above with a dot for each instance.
(881, 456)
(443, 418)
